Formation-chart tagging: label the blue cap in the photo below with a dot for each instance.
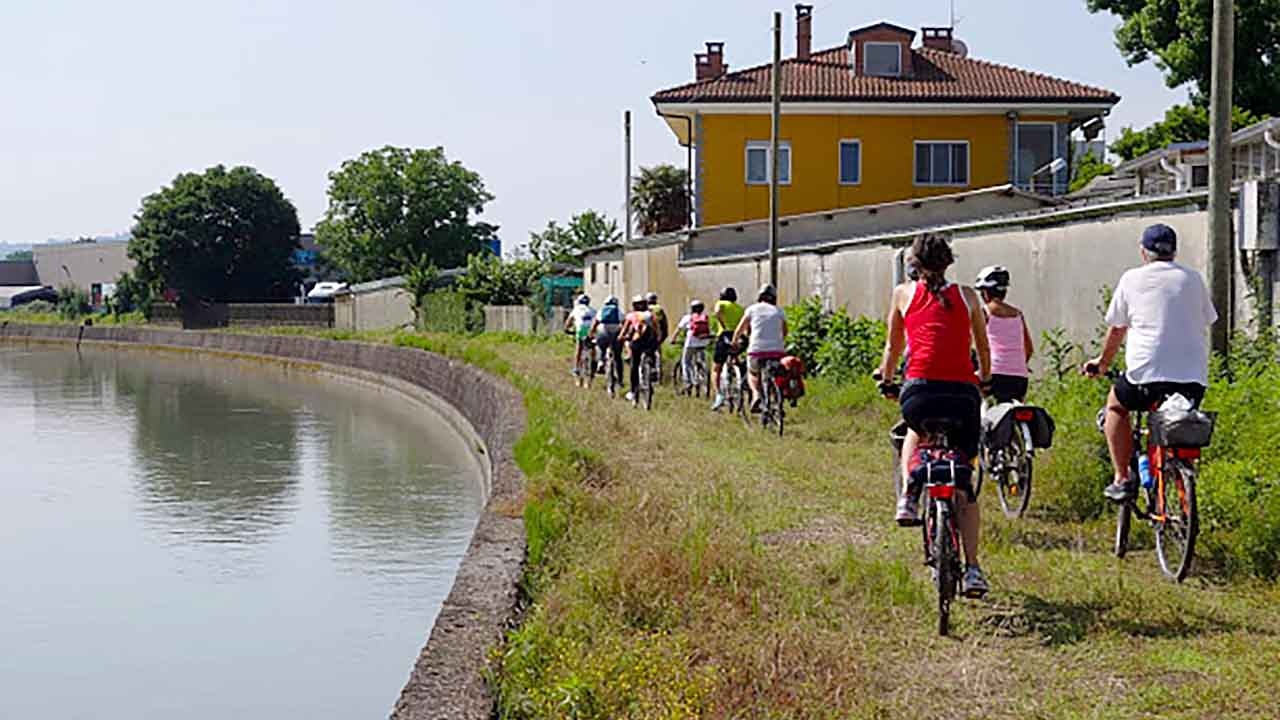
(1160, 240)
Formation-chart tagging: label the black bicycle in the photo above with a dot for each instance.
(773, 412)
(699, 382)
(586, 362)
(612, 380)
(647, 377)
(1171, 442)
(942, 473)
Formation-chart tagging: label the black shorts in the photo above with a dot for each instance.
(1008, 388)
(924, 400)
(1141, 398)
(724, 344)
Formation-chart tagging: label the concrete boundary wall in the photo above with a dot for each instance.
(447, 681)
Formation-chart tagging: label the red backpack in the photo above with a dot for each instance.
(699, 325)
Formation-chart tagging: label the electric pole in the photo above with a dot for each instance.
(773, 149)
(1220, 234)
(626, 174)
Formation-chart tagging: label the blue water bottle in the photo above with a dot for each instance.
(1144, 472)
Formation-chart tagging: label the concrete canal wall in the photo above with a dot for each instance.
(447, 680)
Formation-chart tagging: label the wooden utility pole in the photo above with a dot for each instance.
(773, 149)
(626, 173)
(1220, 235)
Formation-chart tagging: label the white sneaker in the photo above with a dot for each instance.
(719, 402)
(630, 397)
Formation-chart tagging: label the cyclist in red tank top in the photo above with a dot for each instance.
(940, 322)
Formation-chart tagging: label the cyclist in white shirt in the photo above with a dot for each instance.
(579, 322)
(1161, 313)
(696, 326)
(765, 326)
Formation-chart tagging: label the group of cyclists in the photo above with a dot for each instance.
(759, 330)
(956, 344)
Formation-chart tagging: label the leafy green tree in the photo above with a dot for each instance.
(1182, 123)
(660, 199)
(1178, 35)
(1089, 167)
(131, 295)
(490, 280)
(391, 208)
(19, 256)
(419, 279)
(557, 244)
(220, 235)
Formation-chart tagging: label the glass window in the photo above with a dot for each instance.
(850, 162)
(1035, 151)
(758, 163)
(942, 163)
(1199, 176)
(882, 59)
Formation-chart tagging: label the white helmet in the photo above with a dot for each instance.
(993, 277)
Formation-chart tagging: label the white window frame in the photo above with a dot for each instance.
(766, 146)
(840, 161)
(897, 48)
(968, 160)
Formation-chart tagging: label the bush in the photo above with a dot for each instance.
(852, 348)
(37, 307)
(807, 323)
(450, 312)
(73, 303)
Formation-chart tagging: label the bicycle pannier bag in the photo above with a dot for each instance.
(1001, 421)
(1181, 428)
(791, 379)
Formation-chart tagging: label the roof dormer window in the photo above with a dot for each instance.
(882, 59)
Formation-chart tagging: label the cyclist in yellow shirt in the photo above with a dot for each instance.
(725, 317)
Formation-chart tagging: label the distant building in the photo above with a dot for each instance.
(876, 119)
(93, 267)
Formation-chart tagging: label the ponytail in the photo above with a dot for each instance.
(932, 253)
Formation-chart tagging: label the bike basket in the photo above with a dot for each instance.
(1181, 428)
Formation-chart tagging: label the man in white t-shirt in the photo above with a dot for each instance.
(765, 326)
(1161, 313)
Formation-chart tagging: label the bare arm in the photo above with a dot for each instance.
(896, 339)
(743, 329)
(978, 321)
(1110, 347)
(1026, 339)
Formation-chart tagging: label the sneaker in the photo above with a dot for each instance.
(908, 514)
(577, 372)
(975, 583)
(1121, 492)
(631, 397)
(755, 408)
(719, 402)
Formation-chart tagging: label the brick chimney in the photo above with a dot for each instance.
(804, 31)
(938, 38)
(710, 64)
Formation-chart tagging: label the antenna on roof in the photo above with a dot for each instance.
(955, 19)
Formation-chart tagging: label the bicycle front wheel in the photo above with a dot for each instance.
(1177, 521)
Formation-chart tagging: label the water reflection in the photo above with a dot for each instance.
(215, 462)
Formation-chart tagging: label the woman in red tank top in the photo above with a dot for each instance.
(940, 322)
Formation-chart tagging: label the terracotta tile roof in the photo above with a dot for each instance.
(939, 76)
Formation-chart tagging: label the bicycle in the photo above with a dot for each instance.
(699, 383)
(731, 382)
(612, 381)
(772, 404)
(644, 393)
(586, 362)
(1011, 434)
(941, 473)
(1173, 454)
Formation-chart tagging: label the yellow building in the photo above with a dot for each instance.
(873, 120)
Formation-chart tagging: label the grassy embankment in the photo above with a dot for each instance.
(682, 565)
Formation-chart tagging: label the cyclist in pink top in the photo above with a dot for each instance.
(1007, 333)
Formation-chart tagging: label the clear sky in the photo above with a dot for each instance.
(104, 102)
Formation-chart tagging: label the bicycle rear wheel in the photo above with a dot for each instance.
(945, 563)
(778, 411)
(646, 388)
(1014, 480)
(611, 373)
(1179, 522)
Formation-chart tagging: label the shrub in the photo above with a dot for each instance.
(73, 303)
(37, 307)
(450, 312)
(852, 348)
(807, 323)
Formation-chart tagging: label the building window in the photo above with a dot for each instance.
(942, 163)
(758, 163)
(593, 272)
(850, 162)
(1199, 176)
(882, 59)
(1037, 148)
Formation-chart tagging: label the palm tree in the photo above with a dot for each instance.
(660, 199)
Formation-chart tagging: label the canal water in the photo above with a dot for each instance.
(207, 538)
